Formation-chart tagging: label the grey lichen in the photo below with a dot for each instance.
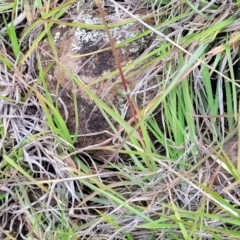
(57, 36)
(120, 34)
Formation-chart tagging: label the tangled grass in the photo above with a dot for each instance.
(166, 182)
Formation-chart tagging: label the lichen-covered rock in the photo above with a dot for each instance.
(76, 51)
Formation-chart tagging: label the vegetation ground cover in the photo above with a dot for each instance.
(172, 169)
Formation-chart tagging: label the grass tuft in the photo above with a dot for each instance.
(172, 164)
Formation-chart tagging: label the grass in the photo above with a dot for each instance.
(158, 181)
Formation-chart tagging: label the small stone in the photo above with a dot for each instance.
(221, 175)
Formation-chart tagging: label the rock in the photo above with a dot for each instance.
(221, 175)
(231, 149)
(73, 45)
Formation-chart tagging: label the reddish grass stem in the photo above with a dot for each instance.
(124, 83)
